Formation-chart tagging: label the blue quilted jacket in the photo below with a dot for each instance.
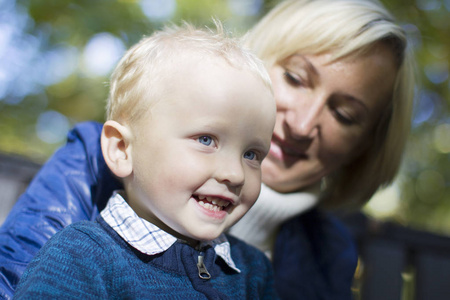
(314, 257)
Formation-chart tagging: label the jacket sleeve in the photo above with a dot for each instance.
(73, 185)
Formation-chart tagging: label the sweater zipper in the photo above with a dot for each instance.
(202, 271)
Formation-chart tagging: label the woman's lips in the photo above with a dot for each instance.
(284, 152)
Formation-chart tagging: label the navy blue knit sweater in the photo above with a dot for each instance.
(89, 260)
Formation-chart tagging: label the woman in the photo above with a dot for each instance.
(343, 83)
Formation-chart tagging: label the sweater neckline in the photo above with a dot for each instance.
(148, 238)
(262, 222)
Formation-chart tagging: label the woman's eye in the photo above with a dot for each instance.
(343, 118)
(292, 79)
(250, 155)
(205, 140)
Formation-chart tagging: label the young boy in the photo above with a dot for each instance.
(190, 118)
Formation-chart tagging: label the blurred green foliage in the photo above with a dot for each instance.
(422, 199)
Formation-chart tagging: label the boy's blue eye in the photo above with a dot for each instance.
(249, 155)
(205, 140)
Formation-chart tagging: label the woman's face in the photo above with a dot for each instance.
(326, 113)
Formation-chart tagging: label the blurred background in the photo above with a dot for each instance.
(56, 57)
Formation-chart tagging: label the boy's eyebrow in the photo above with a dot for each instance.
(261, 145)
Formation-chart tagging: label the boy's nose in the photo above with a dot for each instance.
(230, 172)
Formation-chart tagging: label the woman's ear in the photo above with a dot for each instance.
(116, 148)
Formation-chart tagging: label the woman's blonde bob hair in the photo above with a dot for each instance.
(346, 28)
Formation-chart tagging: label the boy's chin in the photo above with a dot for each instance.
(202, 238)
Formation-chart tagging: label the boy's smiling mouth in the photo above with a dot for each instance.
(212, 203)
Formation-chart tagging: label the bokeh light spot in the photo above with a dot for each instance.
(158, 10)
(436, 72)
(245, 7)
(428, 4)
(425, 108)
(52, 127)
(441, 138)
(58, 64)
(385, 202)
(447, 4)
(413, 34)
(101, 54)
(430, 186)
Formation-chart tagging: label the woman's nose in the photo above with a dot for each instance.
(303, 121)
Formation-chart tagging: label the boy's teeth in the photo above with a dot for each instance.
(216, 202)
(210, 206)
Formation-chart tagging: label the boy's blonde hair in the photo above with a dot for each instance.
(142, 75)
(345, 28)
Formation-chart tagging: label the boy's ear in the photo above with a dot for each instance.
(116, 148)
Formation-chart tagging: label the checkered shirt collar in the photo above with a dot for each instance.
(147, 237)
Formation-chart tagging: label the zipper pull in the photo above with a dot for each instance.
(202, 271)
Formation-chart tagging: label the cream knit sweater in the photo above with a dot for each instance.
(262, 222)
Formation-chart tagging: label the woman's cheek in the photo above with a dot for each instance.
(341, 150)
